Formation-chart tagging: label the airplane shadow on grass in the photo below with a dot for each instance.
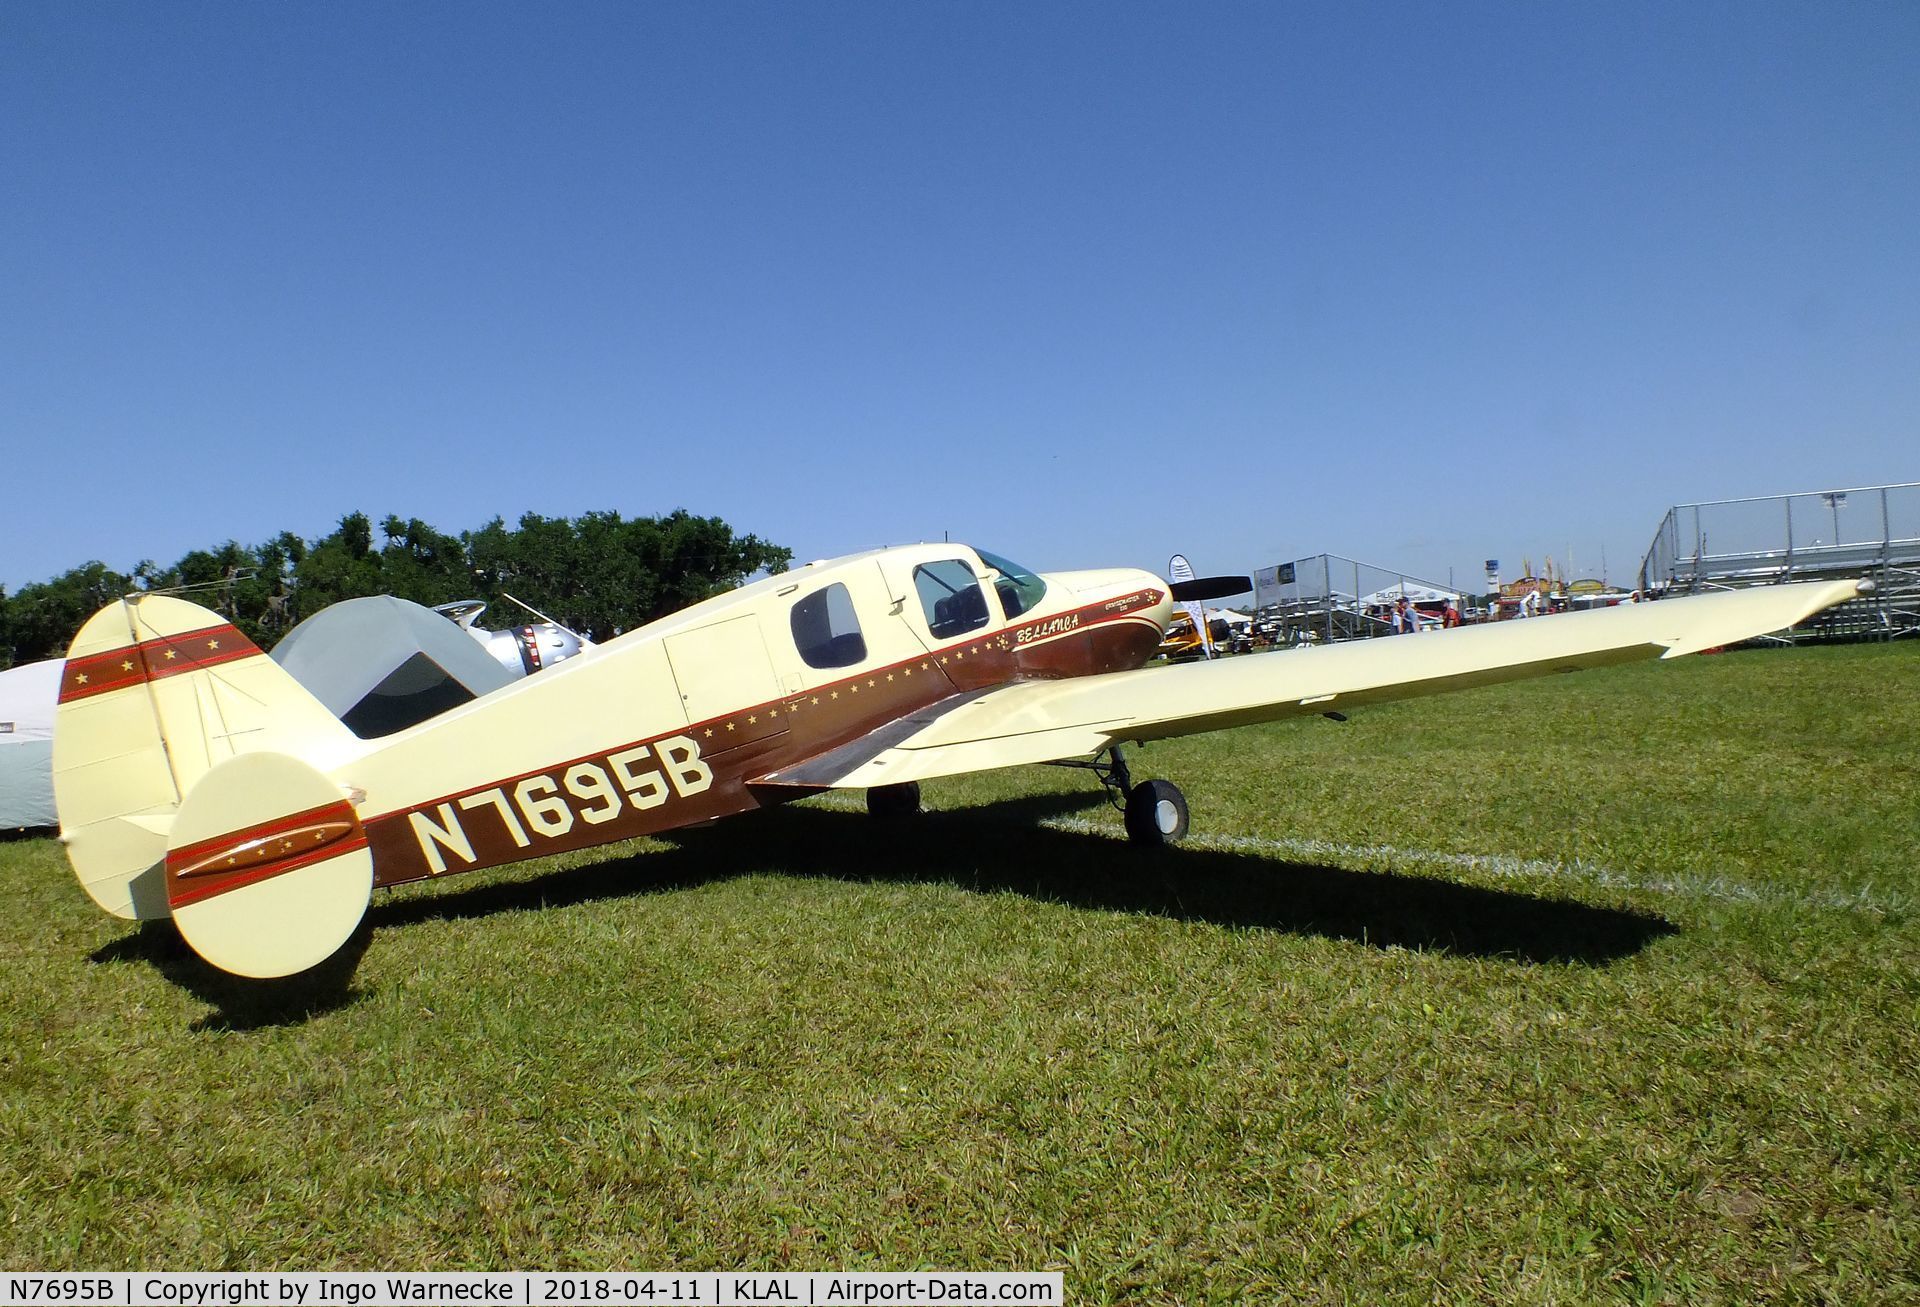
(1002, 848)
(237, 1002)
(992, 850)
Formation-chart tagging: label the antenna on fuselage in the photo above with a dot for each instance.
(543, 617)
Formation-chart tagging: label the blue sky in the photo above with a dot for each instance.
(1083, 284)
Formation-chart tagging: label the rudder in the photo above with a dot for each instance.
(155, 693)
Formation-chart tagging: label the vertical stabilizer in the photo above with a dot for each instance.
(155, 693)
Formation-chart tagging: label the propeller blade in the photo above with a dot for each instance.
(1202, 588)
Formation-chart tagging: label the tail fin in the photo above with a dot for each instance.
(156, 693)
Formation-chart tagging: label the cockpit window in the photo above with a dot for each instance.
(1019, 589)
(826, 630)
(951, 597)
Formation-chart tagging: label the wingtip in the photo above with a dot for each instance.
(1765, 609)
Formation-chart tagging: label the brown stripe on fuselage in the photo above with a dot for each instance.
(499, 823)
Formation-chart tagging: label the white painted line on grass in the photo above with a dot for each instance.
(1505, 867)
(1497, 865)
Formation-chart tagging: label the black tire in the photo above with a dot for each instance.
(1156, 814)
(891, 802)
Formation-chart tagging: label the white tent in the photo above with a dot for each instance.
(28, 696)
(1420, 594)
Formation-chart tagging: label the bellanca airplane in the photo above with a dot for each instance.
(196, 779)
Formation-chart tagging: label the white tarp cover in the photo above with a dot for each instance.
(382, 664)
(28, 696)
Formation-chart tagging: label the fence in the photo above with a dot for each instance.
(1866, 531)
(1781, 537)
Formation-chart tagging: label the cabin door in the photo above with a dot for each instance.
(724, 674)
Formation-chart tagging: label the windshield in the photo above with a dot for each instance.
(1019, 589)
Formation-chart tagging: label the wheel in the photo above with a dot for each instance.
(1156, 813)
(891, 801)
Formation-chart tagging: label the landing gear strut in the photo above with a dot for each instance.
(1155, 811)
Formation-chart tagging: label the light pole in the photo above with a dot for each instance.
(1835, 500)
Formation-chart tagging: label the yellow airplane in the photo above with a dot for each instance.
(196, 779)
(1182, 640)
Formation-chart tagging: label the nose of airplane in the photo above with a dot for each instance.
(1115, 583)
(1162, 610)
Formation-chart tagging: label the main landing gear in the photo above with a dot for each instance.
(892, 802)
(1155, 811)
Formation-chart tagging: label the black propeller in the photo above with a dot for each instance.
(1202, 588)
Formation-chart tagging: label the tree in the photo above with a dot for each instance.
(42, 617)
(422, 564)
(599, 574)
(279, 562)
(338, 566)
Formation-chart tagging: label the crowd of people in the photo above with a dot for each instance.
(1406, 617)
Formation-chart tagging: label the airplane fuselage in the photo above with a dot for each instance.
(686, 719)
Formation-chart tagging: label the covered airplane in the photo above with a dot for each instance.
(196, 779)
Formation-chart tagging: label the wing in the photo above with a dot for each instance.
(1043, 721)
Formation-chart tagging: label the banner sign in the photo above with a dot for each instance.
(1179, 569)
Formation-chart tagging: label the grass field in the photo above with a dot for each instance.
(1599, 989)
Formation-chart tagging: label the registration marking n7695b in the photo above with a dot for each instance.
(547, 805)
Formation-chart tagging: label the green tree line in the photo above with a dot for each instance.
(598, 574)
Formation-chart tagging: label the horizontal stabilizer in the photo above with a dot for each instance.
(267, 868)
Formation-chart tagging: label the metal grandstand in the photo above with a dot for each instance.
(1862, 531)
(1327, 598)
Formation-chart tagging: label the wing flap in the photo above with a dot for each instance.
(1042, 721)
(824, 770)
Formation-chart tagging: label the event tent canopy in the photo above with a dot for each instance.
(1420, 594)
